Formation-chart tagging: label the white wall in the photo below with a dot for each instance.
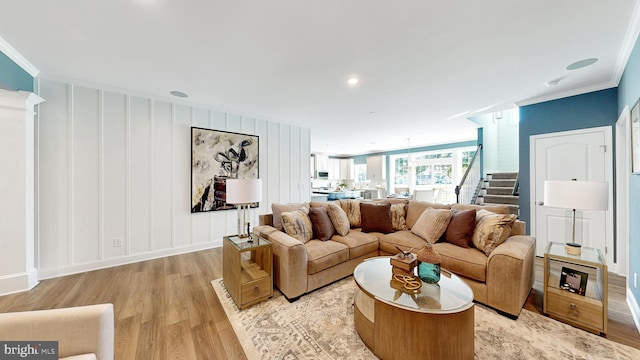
(111, 165)
(500, 140)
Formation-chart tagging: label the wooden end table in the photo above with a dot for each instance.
(562, 302)
(247, 270)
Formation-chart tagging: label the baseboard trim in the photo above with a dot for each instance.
(123, 260)
(18, 282)
(634, 308)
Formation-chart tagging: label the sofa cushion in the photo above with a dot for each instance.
(491, 230)
(338, 218)
(498, 209)
(358, 242)
(298, 225)
(403, 239)
(278, 209)
(398, 216)
(432, 224)
(468, 262)
(461, 227)
(416, 208)
(376, 217)
(321, 223)
(322, 255)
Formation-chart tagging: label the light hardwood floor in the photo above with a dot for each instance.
(166, 308)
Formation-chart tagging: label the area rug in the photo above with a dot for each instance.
(320, 326)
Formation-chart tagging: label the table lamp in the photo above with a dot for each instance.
(576, 195)
(243, 193)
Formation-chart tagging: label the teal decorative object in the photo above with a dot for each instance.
(429, 273)
(429, 266)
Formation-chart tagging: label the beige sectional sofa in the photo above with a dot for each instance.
(502, 280)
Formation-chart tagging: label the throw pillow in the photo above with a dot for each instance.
(298, 225)
(353, 213)
(278, 209)
(321, 223)
(339, 219)
(376, 217)
(491, 230)
(398, 217)
(432, 224)
(461, 227)
(416, 208)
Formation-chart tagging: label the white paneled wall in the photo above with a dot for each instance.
(113, 166)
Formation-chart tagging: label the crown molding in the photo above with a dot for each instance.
(567, 93)
(17, 58)
(629, 42)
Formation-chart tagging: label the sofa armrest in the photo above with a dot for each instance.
(289, 261)
(510, 273)
(78, 330)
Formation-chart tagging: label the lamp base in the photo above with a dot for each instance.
(573, 248)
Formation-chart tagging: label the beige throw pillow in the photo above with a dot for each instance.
(297, 224)
(398, 217)
(353, 213)
(432, 224)
(491, 230)
(278, 209)
(338, 218)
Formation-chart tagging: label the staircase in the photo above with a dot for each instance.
(498, 188)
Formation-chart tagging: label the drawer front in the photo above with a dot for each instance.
(573, 309)
(256, 290)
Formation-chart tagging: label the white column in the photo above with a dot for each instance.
(17, 203)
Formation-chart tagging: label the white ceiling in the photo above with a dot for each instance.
(424, 66)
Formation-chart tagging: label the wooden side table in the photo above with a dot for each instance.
(247, 270)
(562, 301)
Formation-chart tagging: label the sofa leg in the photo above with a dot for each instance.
(293, 299)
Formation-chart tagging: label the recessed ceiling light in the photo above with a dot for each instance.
(552, 83)
(582, 63)
(178, 94)
(372, 113)
(353, 81)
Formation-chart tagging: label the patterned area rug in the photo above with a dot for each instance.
(320, 326)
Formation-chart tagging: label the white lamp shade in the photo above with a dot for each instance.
(579, 195)
(244, 191)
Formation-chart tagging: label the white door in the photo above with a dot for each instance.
(581, 155)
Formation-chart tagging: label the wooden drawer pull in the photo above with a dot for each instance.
(256, 289)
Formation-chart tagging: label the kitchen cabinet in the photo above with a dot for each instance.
(322, 162)
(376, 167)
(347, 169)
(333, 165)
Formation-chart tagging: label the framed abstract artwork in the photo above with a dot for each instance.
(635, 138)
(215, 157)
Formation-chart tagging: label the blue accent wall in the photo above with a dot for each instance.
(599, 108)
(12, 76)
(628, 94)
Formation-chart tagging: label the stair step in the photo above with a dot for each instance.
(502, 183)
(502, 199)
(514, 209)
(499, 190)
(504, 175)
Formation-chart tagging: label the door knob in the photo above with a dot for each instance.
(540, 202)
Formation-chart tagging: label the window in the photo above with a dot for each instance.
(401, 169)
(434, 170)
(361, 172)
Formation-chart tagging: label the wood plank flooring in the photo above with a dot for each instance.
(166, 308)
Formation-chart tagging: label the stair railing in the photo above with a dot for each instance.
(516, 187)
(467, 187)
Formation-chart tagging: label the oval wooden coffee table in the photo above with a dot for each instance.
(436, 322)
